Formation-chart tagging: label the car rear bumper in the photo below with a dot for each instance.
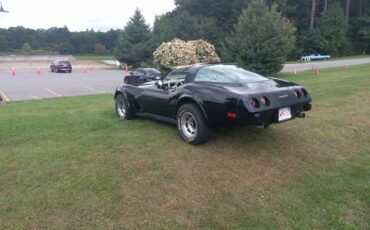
(265, 117)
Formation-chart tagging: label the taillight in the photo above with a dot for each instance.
(254, 102)
(297, 93)
(304, 92)
(264, 100)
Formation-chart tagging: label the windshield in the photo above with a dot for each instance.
(227, 74)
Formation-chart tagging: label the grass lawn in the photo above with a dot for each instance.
(69, 163)
(94, 57)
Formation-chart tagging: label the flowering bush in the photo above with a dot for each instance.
(178, 53)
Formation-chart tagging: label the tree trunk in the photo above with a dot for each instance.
(348, 6)
(326, 6)
(312, 18)
(360, 8)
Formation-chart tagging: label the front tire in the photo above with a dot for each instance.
(122, 108)
(192, 126)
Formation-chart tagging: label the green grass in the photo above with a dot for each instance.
(94, 57)
(69, 163)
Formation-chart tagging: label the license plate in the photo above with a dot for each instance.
(285, 114)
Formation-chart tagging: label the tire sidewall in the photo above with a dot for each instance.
(203, 132)
(120, 98)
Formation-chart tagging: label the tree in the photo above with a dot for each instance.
(361, 33)
(348, 7)
(312, 17)
(325, 6)
(100, 49)
(3, 43)
(332, 27)
(262, 39)
(135, 42)
(26, 48)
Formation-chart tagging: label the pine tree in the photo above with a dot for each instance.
(135, 42)
(262, 39)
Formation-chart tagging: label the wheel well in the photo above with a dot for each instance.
(117, 93)
(188, 100)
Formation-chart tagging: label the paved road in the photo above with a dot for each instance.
(289, 68)
(28, 85)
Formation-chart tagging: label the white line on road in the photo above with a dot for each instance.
(53, 92)
(99, 91)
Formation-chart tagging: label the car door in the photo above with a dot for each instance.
(155, 100)
(161, 100)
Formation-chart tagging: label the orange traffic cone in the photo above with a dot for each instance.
(91, 68)
(317, 72)
(38, 71)
(346, 66)
(126, 69)
(85, 70)
(13, 71)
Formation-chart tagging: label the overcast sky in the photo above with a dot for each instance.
(79, 15)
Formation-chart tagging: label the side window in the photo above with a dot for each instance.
(206, 74)
(175, 76)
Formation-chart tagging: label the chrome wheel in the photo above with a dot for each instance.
(121, 108)
(189, 125)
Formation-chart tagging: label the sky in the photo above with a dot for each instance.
(79, 15)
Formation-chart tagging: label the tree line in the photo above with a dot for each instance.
(58, 40)
(258, 34)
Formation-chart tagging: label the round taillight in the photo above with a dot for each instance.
(254, 102)
(297, 93)
(264, 100)
(304, 92)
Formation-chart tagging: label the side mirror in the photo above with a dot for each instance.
(159, 84)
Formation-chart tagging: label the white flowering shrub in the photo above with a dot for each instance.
(179, 53)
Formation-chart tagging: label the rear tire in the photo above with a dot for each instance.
(122, 108)
(192, 126)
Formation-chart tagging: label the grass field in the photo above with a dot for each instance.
(94, 57)
(69, 163)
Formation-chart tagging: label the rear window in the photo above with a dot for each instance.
(227, 74)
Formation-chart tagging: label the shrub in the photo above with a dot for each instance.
(178, 53)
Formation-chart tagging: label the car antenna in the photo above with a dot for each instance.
(2, 9)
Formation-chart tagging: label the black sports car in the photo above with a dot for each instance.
(202, 97)
(141, 75)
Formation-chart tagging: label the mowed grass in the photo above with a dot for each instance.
(94, 57)
(69, 163)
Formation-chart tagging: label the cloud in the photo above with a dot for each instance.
(79, 15)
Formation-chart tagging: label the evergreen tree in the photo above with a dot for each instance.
(262, 39)
(26, 48)
(332, 27)
(135, 42)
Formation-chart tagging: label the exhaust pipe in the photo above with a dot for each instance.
(300, 115)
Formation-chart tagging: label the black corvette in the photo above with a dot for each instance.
(202, 97)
